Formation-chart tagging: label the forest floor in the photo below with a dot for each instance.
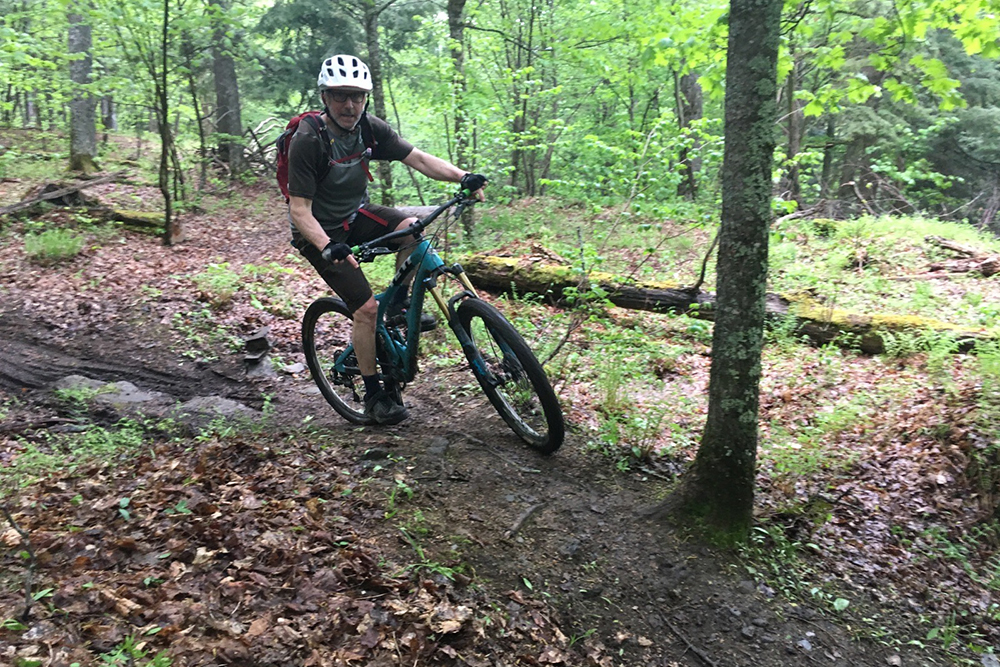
(293, 538)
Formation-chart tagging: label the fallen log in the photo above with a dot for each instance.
(143, 220)
(972, 259)
(58, 193)
(954, 246)
(816, 321)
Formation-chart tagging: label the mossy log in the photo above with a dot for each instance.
(147, 221)
(816, 321)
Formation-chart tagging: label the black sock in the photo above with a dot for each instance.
(372, 385)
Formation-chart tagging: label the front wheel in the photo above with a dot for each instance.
(512, 377)
(326, 341)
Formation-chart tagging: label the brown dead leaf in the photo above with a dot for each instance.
(10, 538)
(251, 502)
(516, 597)
(123, 606)
(259, 627)
(553, 656)
(446, 619)
(203, 555)
(315, 508)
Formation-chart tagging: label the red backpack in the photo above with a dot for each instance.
(313, 118)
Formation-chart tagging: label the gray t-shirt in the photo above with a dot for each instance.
(345, 187)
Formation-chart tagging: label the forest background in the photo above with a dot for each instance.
(610, 112)
(885, 107)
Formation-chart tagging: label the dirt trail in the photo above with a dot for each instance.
(563, 531)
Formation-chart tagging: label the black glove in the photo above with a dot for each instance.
(473, 182)
(335, 252)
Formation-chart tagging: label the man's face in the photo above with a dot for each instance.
(345, 105)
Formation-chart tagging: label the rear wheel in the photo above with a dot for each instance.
(512, 377)
(326, 335)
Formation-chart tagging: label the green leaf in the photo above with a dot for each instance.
(527, 583)
(814, 108)
(840, 604)
(44, 593)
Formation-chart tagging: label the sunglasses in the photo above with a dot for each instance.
(340, 96)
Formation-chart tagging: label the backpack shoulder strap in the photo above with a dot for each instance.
(314, 119)
(368, 137)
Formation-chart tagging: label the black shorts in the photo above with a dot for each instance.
(349, 282)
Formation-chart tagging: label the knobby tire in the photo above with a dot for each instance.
(326, 331)
(514, 381)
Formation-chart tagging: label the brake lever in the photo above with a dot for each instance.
(462, 205)
(369, 254)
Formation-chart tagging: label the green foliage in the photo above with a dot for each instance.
(131, 652)
(398, 493)
(854, 265)
(264, 285)
(201, 332)
(218, 284)
(575, 100)
(52, 246)
(425, 565)
(72, 450)
(782, 562)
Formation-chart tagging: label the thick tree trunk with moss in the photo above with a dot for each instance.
(719, 487)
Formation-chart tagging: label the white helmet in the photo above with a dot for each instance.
(344, 71)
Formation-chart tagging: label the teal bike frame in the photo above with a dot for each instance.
(397, 355)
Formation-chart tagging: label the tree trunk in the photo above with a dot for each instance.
(30, 113)
(826, 176)
(719, 487)
(83, 128)
(378, 96)
(202, 142)
(689, 104)
(109, 116)
(228, 118)
(166, 141)
(794, 111)
(463, 158)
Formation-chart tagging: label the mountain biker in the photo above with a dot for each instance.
(330, 216)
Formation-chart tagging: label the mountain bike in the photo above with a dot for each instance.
(503, 363)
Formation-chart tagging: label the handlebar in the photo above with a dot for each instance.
(368, 251)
